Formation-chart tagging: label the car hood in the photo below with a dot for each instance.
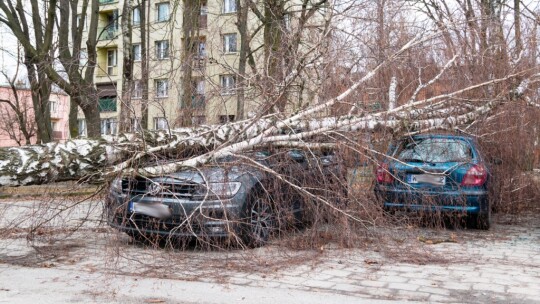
(209, 174)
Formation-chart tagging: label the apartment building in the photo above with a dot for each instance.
(20, 103)
(214, 68)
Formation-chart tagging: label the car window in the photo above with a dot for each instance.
(434, 150)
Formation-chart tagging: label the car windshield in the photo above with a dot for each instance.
(434, 150)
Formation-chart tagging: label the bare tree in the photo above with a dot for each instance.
(59, 19)
(17, 118)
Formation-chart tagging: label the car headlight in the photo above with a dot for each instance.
(219, 190)
(116, 184)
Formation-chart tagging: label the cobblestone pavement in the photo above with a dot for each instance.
(410, 264)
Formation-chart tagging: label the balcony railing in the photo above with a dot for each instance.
(103, 2)
(57, 135)
(107, 71)
(108, 33)
(107, 104)
(199, 63)
(198, 102)
(203, 21)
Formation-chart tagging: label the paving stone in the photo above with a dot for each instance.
(489, 287)
(392, 279)
(291, 280)
(415, 275)
(423, 282)
(526, 291)
(337, 272)
(347, 287)
(435, 298)
(413, 295)
(434, 290)
(318, 284)
(373, 283)
(403, 286)
(380, 292)
(319, 276)
(476, 279)
(457, 286)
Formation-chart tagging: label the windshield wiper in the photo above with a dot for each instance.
(413, 160)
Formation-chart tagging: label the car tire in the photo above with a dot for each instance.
(481, 221)
(259, 220)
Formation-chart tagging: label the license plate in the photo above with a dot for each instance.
(157, 210)
(426, 178)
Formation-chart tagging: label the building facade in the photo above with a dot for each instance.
(16, 110)
(214, 77)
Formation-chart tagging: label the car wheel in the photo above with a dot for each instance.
(481, 221)
(259, 220)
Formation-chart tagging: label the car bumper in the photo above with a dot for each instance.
(186, 218)
(472, 201)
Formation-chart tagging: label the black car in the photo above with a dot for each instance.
(238, 198)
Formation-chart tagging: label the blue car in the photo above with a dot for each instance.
(436, 174)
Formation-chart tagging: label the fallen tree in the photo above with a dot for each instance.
(97, 159)
(191, 147)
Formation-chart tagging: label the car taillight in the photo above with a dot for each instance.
(475, 176)
(383, 175)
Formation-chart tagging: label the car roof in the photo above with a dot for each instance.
(447, 136)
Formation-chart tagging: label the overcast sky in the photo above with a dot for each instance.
(8, 52)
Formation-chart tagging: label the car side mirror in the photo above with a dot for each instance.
(297, 155)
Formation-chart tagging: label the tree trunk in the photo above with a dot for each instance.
(273, 53)
(190, 29)
(241, 24)
(145, 30)
(127, 79)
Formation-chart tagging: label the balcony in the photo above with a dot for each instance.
(57, 135)
(109, 32)
(203, 21)
(199, 63)
(107, 104)
(107, 71)
(198, 102)
(105, 2)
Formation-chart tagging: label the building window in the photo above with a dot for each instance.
(54, 106)
(229, 43)
(108, 126)
(162, 88)
(198, 120)
(201, 49)
(162, 49)
(198, 100)
(82, 127)
(137, 52)
(229, 6)
(83, 57)
(228, 84)
(79, 22)
(136, 16)
(111, 62)
(226, 118)
(136, 92)
(162, 12)
(287, 22)
(160, 123)
(135, 125)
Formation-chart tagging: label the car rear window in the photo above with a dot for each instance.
(434, 150)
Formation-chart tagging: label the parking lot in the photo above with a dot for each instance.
(95, 264)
